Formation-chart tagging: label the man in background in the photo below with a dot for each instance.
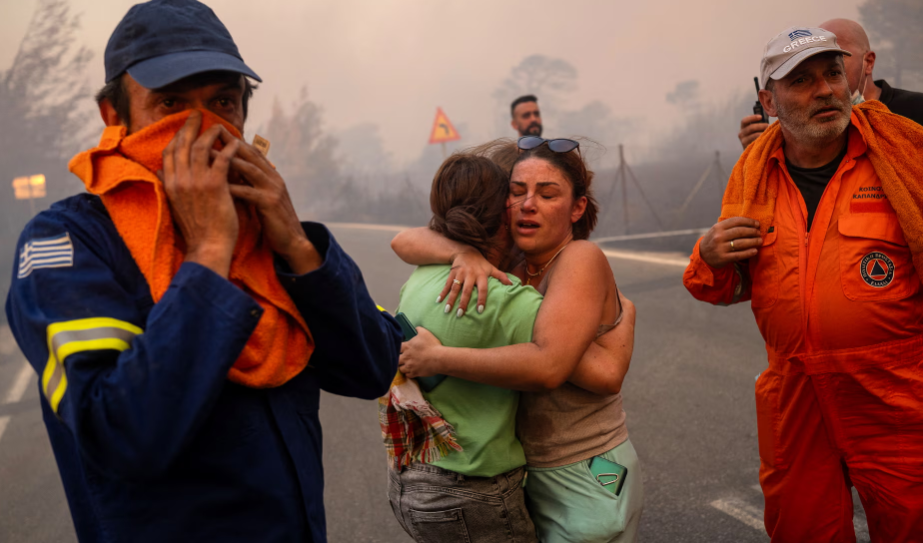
(527, 119)
(852, 37)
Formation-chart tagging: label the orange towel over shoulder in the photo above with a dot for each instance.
(895, 149)
(121, 171)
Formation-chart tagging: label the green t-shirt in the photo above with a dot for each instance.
(484, 416)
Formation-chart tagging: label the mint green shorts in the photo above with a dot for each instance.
(568, 505)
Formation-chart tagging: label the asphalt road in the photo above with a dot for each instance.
(689, 399)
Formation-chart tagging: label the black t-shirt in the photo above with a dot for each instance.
(903, 102)
(813, 181)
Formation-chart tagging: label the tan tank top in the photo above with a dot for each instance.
(569, 424)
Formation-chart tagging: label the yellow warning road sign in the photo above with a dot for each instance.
(29, 187)
(443, 130)
(22, 188)
(37, 183)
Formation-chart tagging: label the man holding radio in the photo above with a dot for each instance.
(820, 229)
(859, 65)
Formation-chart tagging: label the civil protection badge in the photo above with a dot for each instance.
(877, 270)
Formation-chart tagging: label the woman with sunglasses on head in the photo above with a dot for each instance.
(584, 482)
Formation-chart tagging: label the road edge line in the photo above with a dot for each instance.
(20, 384)
(369, 226)
(4, 421)
(645, 257)
(625, 255)
(749, 515)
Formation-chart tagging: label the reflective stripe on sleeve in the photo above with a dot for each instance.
(67, 338)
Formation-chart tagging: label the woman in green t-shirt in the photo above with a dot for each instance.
(584, 478)
(477, 491)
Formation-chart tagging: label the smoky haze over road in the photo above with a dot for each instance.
(392, 63)
(351, 89)
(359, 83)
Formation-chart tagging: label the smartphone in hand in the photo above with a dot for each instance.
(410, 331)
(407, 327)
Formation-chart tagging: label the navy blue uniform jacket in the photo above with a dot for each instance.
(152, 441)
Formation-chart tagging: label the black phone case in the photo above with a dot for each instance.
(410, 331)
(407, 327)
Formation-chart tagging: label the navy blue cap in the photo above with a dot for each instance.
(162, 41)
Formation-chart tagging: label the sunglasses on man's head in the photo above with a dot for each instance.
(527, 143)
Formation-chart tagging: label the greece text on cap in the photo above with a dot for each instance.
(803, 41)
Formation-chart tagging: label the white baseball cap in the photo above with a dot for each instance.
(792, 47)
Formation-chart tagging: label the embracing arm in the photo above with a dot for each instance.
(422, 246)
(605, 363)
(565, 327)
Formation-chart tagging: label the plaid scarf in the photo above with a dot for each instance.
(411, 427)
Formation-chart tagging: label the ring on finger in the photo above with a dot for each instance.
(457, 282)
(732, 245)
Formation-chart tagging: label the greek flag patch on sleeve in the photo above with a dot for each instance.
(55, 252)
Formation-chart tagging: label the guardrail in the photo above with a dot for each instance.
(649, 235)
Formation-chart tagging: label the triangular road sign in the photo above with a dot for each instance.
(443, 130)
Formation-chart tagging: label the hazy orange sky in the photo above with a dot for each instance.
(392, 63)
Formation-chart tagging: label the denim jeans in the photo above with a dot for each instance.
(435, 505)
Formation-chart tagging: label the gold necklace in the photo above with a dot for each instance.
(530, 275)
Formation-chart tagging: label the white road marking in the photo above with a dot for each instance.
(364, 226)
(742, 511)
(652, 258)
(650, 235)
(20, 384)
(753, 516)
(647, 257)
(7, 342)
(3, 422)
(16, 392)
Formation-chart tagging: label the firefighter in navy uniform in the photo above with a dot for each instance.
(162, 424)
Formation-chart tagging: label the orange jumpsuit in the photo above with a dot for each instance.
(841, 311)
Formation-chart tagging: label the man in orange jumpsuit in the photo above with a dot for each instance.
(838, 301)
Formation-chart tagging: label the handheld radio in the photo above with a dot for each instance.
(758, 107)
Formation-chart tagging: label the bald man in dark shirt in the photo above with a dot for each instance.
(852, 37)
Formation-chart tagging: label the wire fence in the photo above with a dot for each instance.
(682, 193)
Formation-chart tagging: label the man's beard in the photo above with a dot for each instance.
(804, 128)
(534, 129)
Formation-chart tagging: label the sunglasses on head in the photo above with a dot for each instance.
(527, 143)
